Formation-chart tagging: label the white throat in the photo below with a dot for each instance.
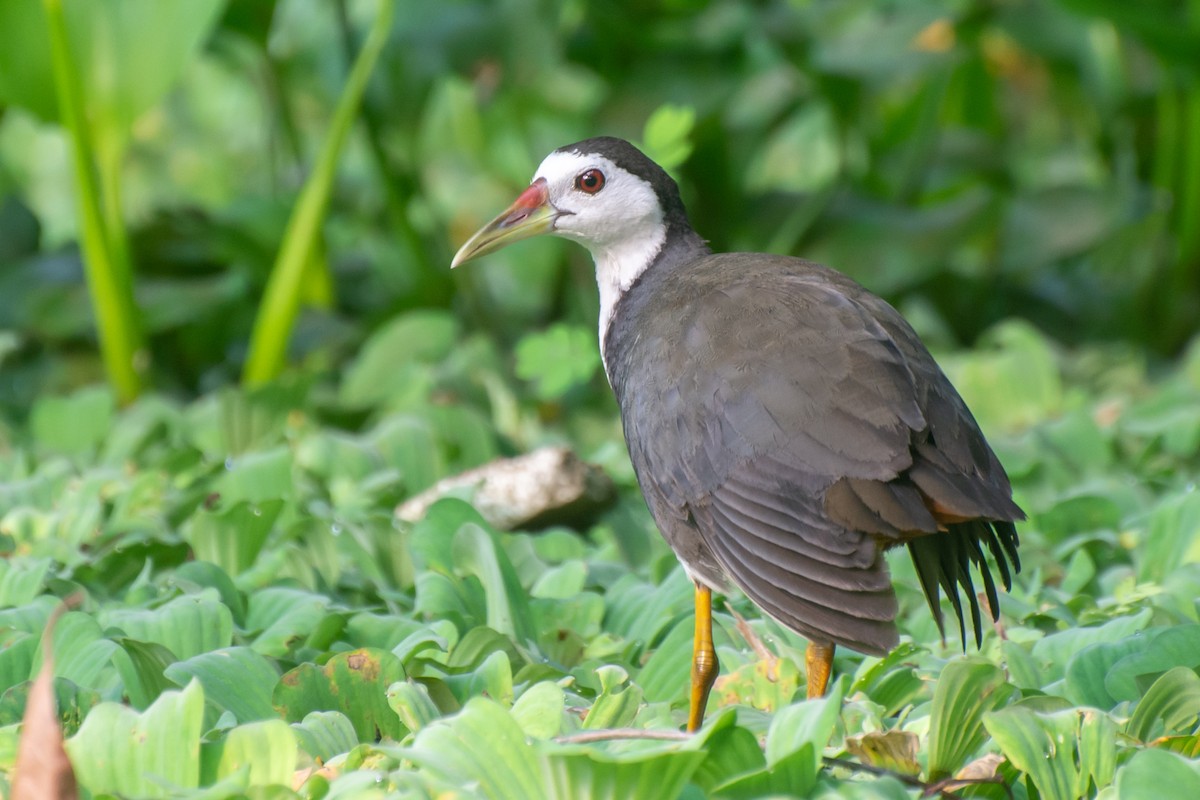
(617, 267)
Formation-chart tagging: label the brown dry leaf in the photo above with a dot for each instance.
(43, 771)
(981, 769)
(893, 750)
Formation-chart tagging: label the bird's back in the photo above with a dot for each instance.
(787, 426)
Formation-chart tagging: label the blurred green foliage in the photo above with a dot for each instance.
(1021, 177)
(971, 160)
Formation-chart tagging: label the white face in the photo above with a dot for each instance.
(612, 213)
(603, 207)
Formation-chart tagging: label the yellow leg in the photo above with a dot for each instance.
(818, 659)
(704, 658)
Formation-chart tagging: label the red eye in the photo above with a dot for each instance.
(590, 182)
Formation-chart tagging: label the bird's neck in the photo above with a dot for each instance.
(620, 267)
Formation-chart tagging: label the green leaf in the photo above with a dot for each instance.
(1054, 652)
(123, 752)
(72, 701)
(1171, 705)
(594, 776)
(236, 679)
(1066, 754)
(233, 537)
(1161, 650)
(558, 359)
(618, 702)
(378, 374)
(143, 671)
(129, 53)
(75, 424)
(492, 678)
(1156, 774)
(666, 138)
(353, 683)
(283, 617)
(966, 691)
(484, 746)
(666, 673)
(187, 626)
(21, 580)
(539, 710)
(477, 553)
(325, 734)
(268, 750)
(412, 703)
(731, 753)
(811, 722)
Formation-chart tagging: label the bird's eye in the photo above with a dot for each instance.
(590, 181)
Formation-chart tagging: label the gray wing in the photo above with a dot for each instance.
(822, 433)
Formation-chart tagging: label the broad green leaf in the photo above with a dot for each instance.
(666, 137)
(128, 52)
(966, 691)
(325, 734)
(539, 710)
(477, 553)
(484, 746)
(1087, 669)
(376, 630)
(1066, 754)
(353, 683)
(561, 582)
(204, 575)
(558, 359)
(72, 701)
(257, 477)
(731, 753)
(21, 580)
(1170, 538)
(1156, 774)
(809, 723)
(142, 666)
(283, 616)
(792, 775)
(593, 776)
(1012, 380)
(82, 653)
(412, 703)
(187, 626)
(423, 337)
(236, 679)
(75, 424)
(618, 702)
(1055, 651)
(233, 537)
(491, 678)
(267, 749)
(1161, 650)
(665, 676)
(16, 659)
(1172, 702)
(123, 752)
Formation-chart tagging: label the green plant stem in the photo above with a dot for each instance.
(110, 153)
(281, 301)
(117, 324)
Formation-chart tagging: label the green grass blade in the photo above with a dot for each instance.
(277, 314)
(117, 320)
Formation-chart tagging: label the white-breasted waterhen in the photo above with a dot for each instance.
(786, 425)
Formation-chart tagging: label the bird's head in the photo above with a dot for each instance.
(603, 193)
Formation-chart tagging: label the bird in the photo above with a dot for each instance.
(786, 426)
